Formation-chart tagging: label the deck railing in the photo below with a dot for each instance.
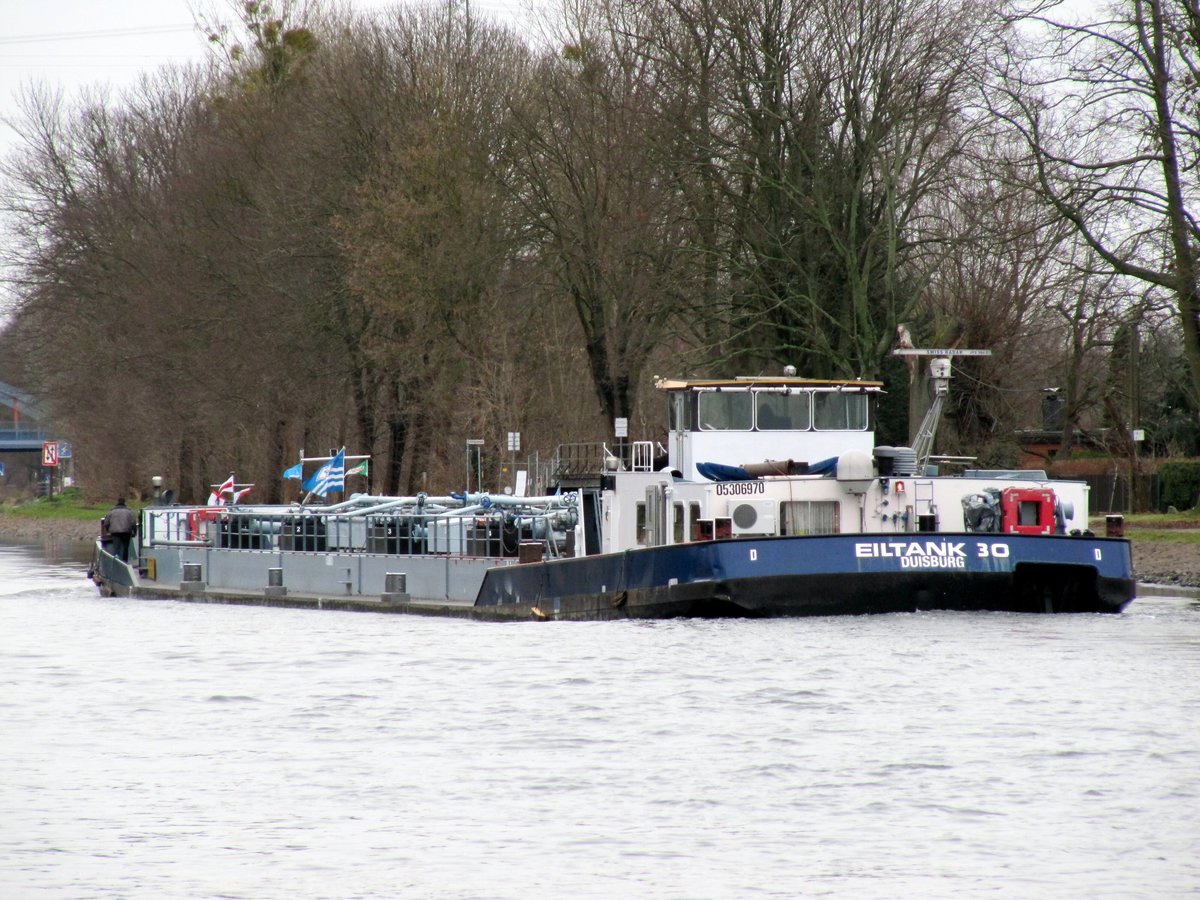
(596, 458)
(471, 534)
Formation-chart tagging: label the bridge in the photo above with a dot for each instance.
(22, 421)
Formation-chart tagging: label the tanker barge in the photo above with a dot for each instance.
(771, 498)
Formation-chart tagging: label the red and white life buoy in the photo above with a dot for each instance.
(195, 523)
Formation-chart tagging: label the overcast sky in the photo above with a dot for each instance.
(76, 43)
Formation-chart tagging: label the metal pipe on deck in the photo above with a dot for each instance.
(403, 506)
(349, 502)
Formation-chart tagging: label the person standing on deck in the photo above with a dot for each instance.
(120, 523)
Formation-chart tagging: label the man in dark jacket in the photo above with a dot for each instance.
(120, 524)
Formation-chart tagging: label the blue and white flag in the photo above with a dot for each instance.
(330, 477)
(296, 471)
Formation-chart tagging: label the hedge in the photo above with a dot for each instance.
(1179, 484)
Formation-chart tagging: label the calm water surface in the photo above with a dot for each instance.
(164, 749)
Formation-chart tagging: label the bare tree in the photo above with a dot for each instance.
(148, 258)
(825, 128)
(425, 233)
(1106, 106)
(600, 202)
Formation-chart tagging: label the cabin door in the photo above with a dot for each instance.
(656, 515)
(591, 522)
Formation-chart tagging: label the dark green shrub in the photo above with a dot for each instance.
(1179, 484)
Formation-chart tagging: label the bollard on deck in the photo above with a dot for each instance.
(193, 579)
(275, 586)
(395, 588)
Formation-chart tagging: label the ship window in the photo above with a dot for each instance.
(725, 411)
(776, 411)
(679, 410)
(810, 517)
(836, 411)
(677, 530)
(641, 524)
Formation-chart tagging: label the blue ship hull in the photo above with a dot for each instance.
(825, 575)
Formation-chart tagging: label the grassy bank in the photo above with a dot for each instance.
(1166, 535)
(68, 505)
(1176, 528)
(1189, 518)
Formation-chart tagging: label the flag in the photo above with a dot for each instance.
(330, 477)
(296, 471)
(238, 495)
(361, 469)
(217, 497)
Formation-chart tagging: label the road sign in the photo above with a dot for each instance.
(64, 450)
(621, 427)
(514, 440)
(50, 453)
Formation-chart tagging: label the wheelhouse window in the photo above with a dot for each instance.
(779, 411)
(838, 411)
(725, 410)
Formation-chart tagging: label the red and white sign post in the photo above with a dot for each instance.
(50, 460)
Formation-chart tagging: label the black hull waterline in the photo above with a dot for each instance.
(841, 595)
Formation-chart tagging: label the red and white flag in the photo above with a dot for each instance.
(217, 497)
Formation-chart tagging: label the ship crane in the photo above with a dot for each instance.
(939, 389)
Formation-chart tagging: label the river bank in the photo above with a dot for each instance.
(22, 529)
(1156, 561)
(1166, 562)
